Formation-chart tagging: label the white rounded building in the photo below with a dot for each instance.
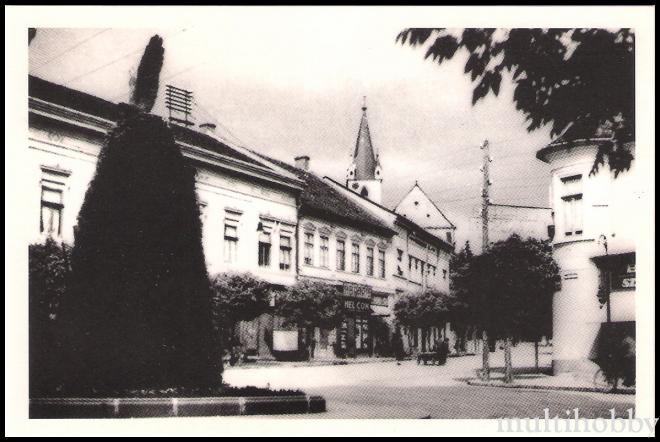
(594, 247)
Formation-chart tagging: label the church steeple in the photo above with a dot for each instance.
(364, 174)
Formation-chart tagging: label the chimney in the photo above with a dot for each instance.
(208, 128)
(302, 162)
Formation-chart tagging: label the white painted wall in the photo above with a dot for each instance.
(374, 188)
(607, 205)
(333, 231)
(69, 151)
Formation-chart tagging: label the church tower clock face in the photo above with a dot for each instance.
(355, 186)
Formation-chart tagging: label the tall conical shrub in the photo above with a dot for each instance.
(139, 314)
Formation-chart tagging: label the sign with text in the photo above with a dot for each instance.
(357, 305)
(624, 276)
(357, 291)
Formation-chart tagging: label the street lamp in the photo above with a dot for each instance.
(602, 239)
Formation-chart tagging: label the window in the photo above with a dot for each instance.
(572, 204)
(53, 185)
(399, 255)
(341, 255)
(444, 274)
(448, 237)
(370, 261)
(381, 263)
(51, 211)
(231, 243)
(355, 258)
(324, 251)
(264, 249)
(309, 249)
(201, 205)
(285, 252)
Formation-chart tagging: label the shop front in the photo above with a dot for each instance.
(354, 335)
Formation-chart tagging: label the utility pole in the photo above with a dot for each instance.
(485, 193)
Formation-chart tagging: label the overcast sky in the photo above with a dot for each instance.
(297, 89)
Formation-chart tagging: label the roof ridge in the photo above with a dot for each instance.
(391, 211)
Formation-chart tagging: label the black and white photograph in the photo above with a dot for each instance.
(304, 214)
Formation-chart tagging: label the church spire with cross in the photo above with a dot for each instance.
(364, 175)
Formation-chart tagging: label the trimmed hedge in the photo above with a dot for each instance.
(138, 314)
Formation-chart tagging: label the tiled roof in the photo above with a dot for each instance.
(403, 221)
(320, 199)
(90, 104)
(581, 132)
(71, 98)
(189, 136)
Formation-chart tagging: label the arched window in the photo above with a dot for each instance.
(364, 192)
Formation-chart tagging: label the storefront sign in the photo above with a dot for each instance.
(623, 277)
(357, 305)
(357, 291)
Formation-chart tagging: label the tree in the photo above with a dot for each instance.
(309, 304)
(237, 297)
(466, 310)
(564, 77)
(429, 308)
(49, 277)
(519, 279)
(138, 314)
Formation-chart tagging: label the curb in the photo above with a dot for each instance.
(551, 387)
(103, 408)
(265, 363)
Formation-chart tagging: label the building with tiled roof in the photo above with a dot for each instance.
(347, 246)
(417, 206)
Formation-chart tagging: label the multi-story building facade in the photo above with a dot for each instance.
(595, 249)
(342, 244)
(420, 262)
(419, 254)
(277, 221)
(248, 205)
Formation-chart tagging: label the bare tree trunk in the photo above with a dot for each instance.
(508, 367)
(536, 354)
(485, 356)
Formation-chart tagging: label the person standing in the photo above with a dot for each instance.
(397, 344)
(443, 351)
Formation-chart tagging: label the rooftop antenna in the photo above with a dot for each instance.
(179, 103)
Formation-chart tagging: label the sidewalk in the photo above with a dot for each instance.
(539, 381)
(267, 362)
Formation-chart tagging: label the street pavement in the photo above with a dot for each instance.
(408, 390)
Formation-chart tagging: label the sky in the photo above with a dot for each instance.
(297, 89)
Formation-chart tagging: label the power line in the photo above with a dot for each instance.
(458, 149)
(169, 77)
(80, 43)
(116, 60)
